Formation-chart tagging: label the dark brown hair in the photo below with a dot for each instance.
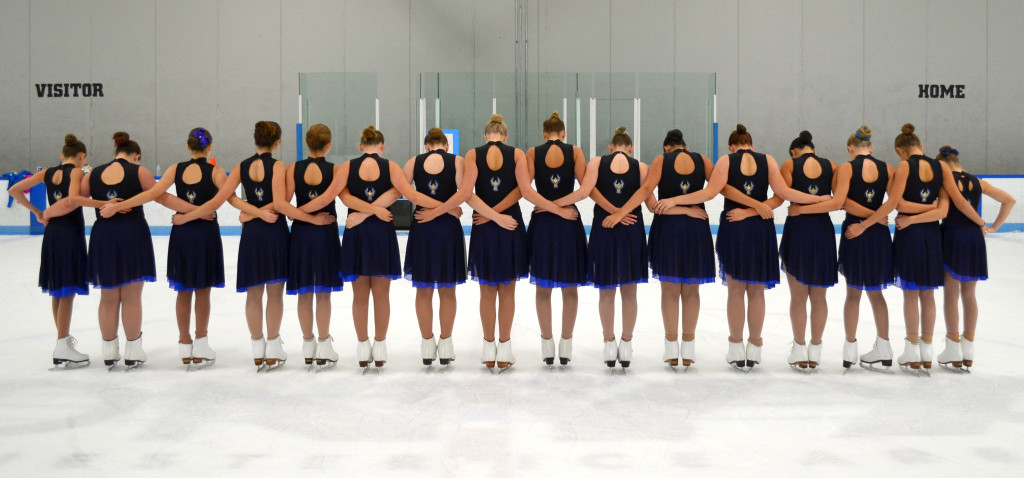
(802, 141)
(553, 124)
(124, 144)
(907, 138)
(199, 139)
(317, 137)
(435, 136)
(740, 136)
(496, 125)
(621, 138)
(266, 133)
(371, 136)
(72, 147)
(949, 155)
(674, 138)
(862, 137)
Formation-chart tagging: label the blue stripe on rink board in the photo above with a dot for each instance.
(237, 230)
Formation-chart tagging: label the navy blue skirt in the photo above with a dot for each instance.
(371, 250)
(917, 252)
(964, 254)
(314, 259)
(435, 256)
(262, 253)
(120, 252)
(498, 256)
(618, 256)
(63, 261)
(195, 256)
(681, 250)
(558, 251)
(866, 261)
(808, 250)
(747, 251)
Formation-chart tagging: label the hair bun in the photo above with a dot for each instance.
(620, 130)
(120, 138)
(908, 129)
(805, 136)
(740, 129)
(554, 114)
(674, 135)
(70, 140)
(497, 118)
(864, 131)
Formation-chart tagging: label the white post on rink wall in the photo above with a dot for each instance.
(376, 113)
(636, 127)
(494, 106)
(578, 131)
(593, 127)
(437, 113)
(300, 110)
(423, 122)
(565, 108)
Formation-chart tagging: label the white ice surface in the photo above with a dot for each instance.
(581, 421)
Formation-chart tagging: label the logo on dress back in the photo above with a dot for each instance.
(433, 187)
(748, 186)
(312, 195)
(813, 189)
(619, 184)
(191, 196)
(370, 192)
(495, 183)
(869, 194)
(555, 179)
(685, 186)
(111, 194)
(57, 196)
(259, 193)
(925, 193)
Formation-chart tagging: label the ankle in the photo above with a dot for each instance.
(689, 337)
(969, 337)
(953, 337)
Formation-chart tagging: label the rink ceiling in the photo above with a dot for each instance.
(781, 66)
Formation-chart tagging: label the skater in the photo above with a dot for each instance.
(618, 249)
(62, 263)
(965, 260)
(263, 247)
(497, 246)
(435, 257)
(369, 247)
(924, 187)
(195, 255)
(747, 252)
(556, 240)
(682, 253)
(808, 248)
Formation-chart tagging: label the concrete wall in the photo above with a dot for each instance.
(782, 66)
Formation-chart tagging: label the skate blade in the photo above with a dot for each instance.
(326, 366)
(504, 369)
(741, 368)
(129, 368)
(201, 364)
(674, 368)
(952, 367)
(876, 367)
(800, 369)
(60, 365)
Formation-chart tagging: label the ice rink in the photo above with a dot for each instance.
(530, 421)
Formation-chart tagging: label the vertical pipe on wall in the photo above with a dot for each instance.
(298, 133)
(376, 113)
(494, 106)
(437, 113)
(593, 127)
(714, 122)
(579, 131)
(423, 124)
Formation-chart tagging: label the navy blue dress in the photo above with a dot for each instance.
(867, 261)
(195, 255)
(120, 247)
(681, 248)
(263, 247)
(808, 246)
(498, 256)
(435, 255)
(62, 261)
(917, 249)
(747, 249)
(618, 256)
(963, 244)
(557, 246)
(314, 259)
(371, 248)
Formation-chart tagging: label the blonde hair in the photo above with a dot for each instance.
(860, 138)
(371, 136)
(621, 138)
(496, 125)
(553, 124)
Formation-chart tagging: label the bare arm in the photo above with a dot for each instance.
(456, 200)
(339, 181)
(82, 198)
(18, 193)
(1006, 203)
(524, 177)
(779, 187)
(897, 184)
(402, 180)
(949, 185)
(939, 212)
(580, 169)
(586, 185)
(282, 197)
(840, 189)
(855, 209)
(147, 195)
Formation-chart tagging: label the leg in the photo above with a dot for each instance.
(798, 308)
(734, 309)
(629, 307)
(755, 313)
(543, 300)
(54, 306)
(446, 310)
(506, 310)
(819, 313)
(951, 306)
(361, 307)
(202, 312)
(62, 309)
(570, 304)
(275, 309)
(323, 315)
(927, 314)
(305, 311)
(851, 313)
(670, 309)
(968, 292)
(881, 312)
(254, 311)
(110, 305)
(381, 288)
(131, 309)
(691, 309)
(488, 298)
(911, 315)
(183, 312)
(425, 311)
(606, 309)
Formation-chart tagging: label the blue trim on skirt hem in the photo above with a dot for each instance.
(315, 289)
(767, 285)
(68, 291)
(432, 285)
(869, 287)
(353, 277)
(616, 286)
(963, 278)
(179, 287)
(907, 285)
(140, 279)
(261, 284)
(683, 280)
(553, 284)
(497, 283)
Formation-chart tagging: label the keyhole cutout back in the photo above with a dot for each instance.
(494, 158)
